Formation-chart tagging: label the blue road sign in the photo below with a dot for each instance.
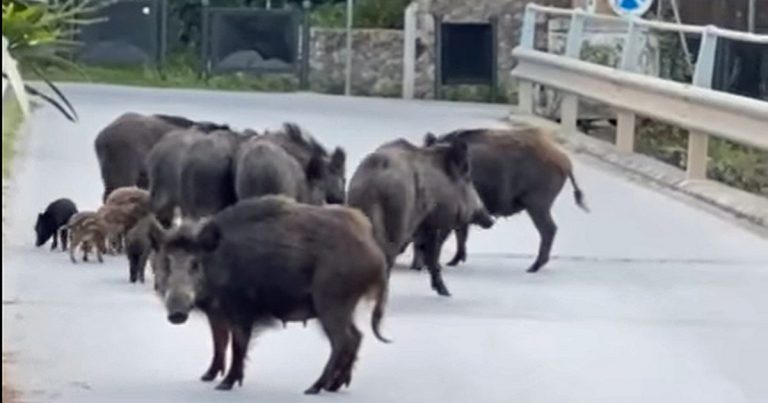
(631, 7)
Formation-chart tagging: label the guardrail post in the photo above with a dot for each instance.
(698, 142)
(409, 50)
(625, 120)
(569, 106)
(527, 40)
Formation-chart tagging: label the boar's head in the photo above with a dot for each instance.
(44, 228)
(456, 163)
(326, 178)
(178, 265)
(336, 180)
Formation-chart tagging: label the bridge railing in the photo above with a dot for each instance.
(695, 106)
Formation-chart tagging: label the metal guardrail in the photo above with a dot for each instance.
(694, 106)
(14, 81)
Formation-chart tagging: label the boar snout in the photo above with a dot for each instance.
(178, 306)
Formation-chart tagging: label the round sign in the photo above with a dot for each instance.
(631, 7)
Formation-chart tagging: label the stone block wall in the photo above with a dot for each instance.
(377, 62)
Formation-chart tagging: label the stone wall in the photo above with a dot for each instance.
(510, 19)
(377, 62)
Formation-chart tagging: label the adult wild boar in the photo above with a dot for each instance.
(304, 147)
(264, 168)
(407, 191)
(206, 175)
(272, 259)
(164, 170)
(515, 170)
(122, 146)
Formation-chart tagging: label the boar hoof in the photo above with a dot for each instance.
(456, 260)
(209, 376)
(534, 269)
(313, 390)
(225, 385)
(441, 289)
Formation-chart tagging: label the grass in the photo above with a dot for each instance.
(179, 72)
(12, 118)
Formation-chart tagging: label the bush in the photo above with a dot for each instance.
(387, 14)
(39, 35)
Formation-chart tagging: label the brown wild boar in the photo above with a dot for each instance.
(123, 209)
(88, 232)
(272, 259)
(516, 170)
(407, 191)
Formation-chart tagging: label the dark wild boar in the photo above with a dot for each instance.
(164, 170)
(407, 191)
(206, 177)
(123, 145)
(264, 168)
(55, 216)
(272, 259)
(516, 170)
(138, 248)
(305, 148)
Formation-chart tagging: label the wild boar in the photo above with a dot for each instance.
(138, 248)
(55, 216)
(264, 168)
(86, 231)
(164, 169)
(123, 209)
(304, 147)
(516, 170)
(407, 191)
(272, 259)
(206, 176)
(123, 145)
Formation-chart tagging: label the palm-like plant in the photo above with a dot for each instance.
(40, 34)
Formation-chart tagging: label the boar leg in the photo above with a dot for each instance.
(220, 336)
(55, 243)
(418, 255)
(241, 335)
(336, 322)
(542, 219)
(433, 243)
(347, 360)
(461, 246)
(64, 235)
(72, 248)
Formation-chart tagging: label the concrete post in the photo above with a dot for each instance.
(698, 142)
(409, 50)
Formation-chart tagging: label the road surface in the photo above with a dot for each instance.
(646, 300)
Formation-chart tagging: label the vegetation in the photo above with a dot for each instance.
(12, 117)
(39, 35)
(367, 14)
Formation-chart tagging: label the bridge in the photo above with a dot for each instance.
(653, 296)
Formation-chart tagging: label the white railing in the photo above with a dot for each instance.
(694, 106)
(14, 81)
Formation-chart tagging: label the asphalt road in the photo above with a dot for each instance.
(646, 300)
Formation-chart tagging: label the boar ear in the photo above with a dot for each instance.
(338, 160)
(209, 237)
(458, 158)
(316, 168)
(430, 139)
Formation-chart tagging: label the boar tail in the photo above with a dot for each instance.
(378, 309)
(578, 195)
